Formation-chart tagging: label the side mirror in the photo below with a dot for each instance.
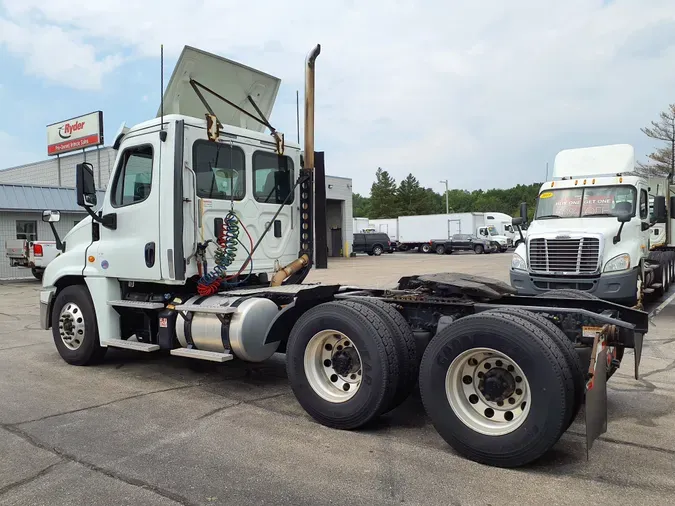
(624, 217)
(660, 213)
(85, 186)
(523, 211)
(51, 216)
(516, 222)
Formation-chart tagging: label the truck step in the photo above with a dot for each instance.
(138, 304)
(656, 285)
(212, 356)
(130, 345)
(648, 291)
(205, 308)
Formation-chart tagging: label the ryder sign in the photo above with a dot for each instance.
(76, 133)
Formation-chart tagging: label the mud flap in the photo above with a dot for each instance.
(596, 395)
(637, 351)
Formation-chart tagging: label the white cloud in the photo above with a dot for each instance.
(480, 92)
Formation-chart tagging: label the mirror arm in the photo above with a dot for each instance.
(61, 246)
(617, 237)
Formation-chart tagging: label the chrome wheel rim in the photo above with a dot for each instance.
(71, 326)
(333, 366)
(488, 391)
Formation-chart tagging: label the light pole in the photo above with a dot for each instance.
(447, 208)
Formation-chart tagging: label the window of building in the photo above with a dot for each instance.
(26, 230)
(220, 170)
(644, 209)
(272, 177)
(133, 180)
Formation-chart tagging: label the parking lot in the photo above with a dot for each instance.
(160, 430)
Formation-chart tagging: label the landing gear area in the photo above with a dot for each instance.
(490, 365)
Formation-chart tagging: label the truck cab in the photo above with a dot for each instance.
(183, 185)
(591, 227)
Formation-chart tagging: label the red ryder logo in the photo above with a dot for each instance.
(67, 130)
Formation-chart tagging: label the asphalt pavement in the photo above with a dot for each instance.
(160, 430)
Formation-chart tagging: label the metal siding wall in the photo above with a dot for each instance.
(45, 172)
(44, 233)
(342, 190)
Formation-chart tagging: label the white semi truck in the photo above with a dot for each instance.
(421, 231)
(593, 230)
(200, 248)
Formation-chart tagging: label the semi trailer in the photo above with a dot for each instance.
(422, 231)
(201, 248)
(593, 229)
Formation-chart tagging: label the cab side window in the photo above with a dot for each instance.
(272, 177)
(133, 180)
(644, 204)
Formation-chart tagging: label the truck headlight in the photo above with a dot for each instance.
(618, 263)
(518, 263)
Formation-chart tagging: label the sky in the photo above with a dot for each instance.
(481, 93)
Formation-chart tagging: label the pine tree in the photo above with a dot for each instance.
(383, 198)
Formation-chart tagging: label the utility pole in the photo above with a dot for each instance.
(447, 208)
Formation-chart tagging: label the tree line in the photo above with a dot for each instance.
(389, 199)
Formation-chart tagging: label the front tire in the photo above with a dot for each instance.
(342, 364)
(528, 422)
(478, 249)
(74, 327)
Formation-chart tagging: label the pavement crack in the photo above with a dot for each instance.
(218, 410)
(251, 402)
(136, 482)
(78, 410)
(39, 474)
(626, 443)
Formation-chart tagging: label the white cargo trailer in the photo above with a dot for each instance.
(420, 231)
(360, 225)
(387, 226)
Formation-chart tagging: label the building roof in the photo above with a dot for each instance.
(21, 197)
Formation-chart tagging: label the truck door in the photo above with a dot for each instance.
(643, 213)
(273, 180)
(131, 251)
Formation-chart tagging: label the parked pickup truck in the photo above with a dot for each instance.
(34, 255)
(465, 242)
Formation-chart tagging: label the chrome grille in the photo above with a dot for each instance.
(578, 256)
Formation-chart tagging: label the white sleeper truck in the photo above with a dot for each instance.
(200, 249)
(593, 230)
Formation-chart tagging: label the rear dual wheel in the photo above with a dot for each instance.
(497, 388)
(350, 361)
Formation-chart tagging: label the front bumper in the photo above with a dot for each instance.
(46, 300)
(610, 286)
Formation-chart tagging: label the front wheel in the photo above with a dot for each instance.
(74, 327)
(479, 249)
(487, 381)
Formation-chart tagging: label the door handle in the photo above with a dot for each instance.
(150, 254)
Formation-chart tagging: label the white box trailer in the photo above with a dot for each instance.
(360, 224)
(420, 231)
(387, 226)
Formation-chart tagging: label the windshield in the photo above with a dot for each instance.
(492, 230)
(586, 202)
